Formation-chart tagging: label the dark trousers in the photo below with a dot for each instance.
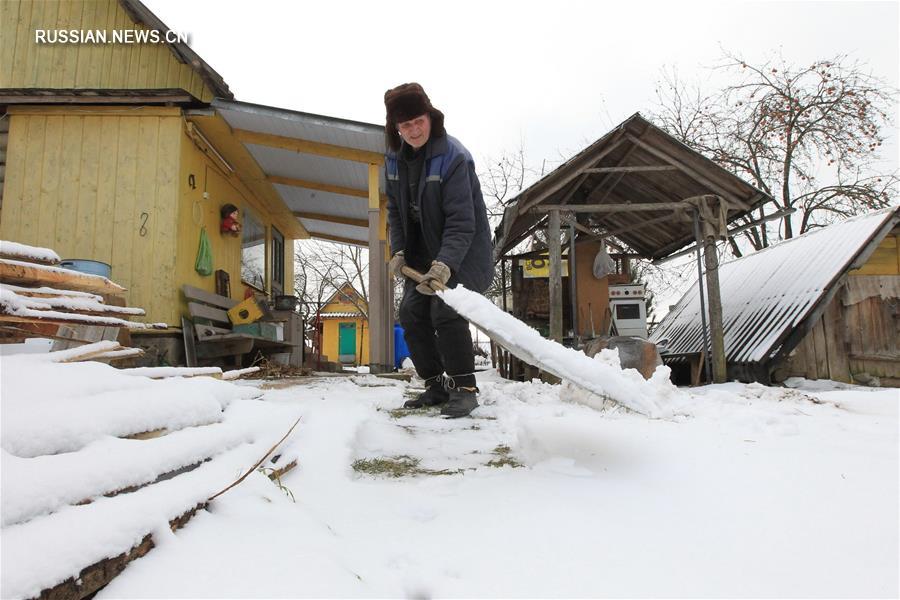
(438, 338)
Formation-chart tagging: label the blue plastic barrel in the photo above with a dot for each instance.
(91, 267)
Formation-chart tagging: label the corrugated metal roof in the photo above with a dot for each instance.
(765, 295)
(320, 170)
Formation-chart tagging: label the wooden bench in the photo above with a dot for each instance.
(208, 333)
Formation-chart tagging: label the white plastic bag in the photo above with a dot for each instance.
(603, 263)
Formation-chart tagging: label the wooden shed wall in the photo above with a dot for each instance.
(859, 330)
(98, 184)
(27, 64)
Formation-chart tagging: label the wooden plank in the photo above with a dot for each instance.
(838, 360)
(642, 169)
(31, 194)
(123, 215)
(208, 312)
(195, 293)
(212, 333)
(322, 187)
(144, 215)
(556, 304)
(9, 16)
(821, 350)
(608, 208)
(102, 234)
(86, 191)
(331, 219)
(190, 349)
(18, 272)
(13, 186)
(64, 238)
(42, 65)
(227, 347)
(48, 197)
(69, 319)
(309, 147)
(165, 225)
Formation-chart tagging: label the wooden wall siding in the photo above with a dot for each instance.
(873, 328)
(195, 212)
(80, 184)
(884, 261)
(824, 352)
(26, 64)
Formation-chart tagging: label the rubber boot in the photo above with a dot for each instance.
(463, 401)
(434, 394)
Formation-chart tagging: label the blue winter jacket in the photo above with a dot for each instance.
(453, 216)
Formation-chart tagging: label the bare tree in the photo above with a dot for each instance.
(322, 268)
(501, 181)
(808, 135)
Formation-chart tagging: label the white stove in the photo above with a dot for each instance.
(629, 309)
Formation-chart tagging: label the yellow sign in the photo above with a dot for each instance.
(540, 267)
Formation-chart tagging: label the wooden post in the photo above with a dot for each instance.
(503, 281)
(379, 361)
(553, 233)
(573, 283)
(716, 327)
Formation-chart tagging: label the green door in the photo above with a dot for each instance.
(347, 342)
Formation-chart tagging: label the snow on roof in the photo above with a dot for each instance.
(765, 295)
(340, 315)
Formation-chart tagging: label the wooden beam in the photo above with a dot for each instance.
(631, 169)
(64, 99)
(335, 238)
(605, 208)
(692, 173)
(556, 305)
(309, 147)
(331, 219)
(321, 187)
(131, 111)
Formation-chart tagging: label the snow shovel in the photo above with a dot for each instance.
(608, 381)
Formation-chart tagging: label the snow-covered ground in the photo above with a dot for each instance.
(748, 491)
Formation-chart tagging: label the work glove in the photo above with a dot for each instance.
(397, 263)
(438, 272)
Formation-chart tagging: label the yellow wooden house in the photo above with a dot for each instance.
(343, 328)
(124, 153)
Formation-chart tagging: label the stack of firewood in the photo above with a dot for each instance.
(40, 299)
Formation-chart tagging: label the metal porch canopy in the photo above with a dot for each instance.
(327, 172)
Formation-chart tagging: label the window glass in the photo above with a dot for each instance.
(277, 260)
(253, 252)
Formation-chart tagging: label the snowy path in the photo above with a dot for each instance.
(762, 492)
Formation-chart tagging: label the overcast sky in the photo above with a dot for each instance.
(555, 76)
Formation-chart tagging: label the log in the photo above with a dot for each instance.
(29, 273)
(96, 576)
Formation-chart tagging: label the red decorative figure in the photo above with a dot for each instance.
(230, 223)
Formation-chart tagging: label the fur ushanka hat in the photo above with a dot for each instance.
(406, 102)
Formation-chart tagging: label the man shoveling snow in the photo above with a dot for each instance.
(439, 226)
